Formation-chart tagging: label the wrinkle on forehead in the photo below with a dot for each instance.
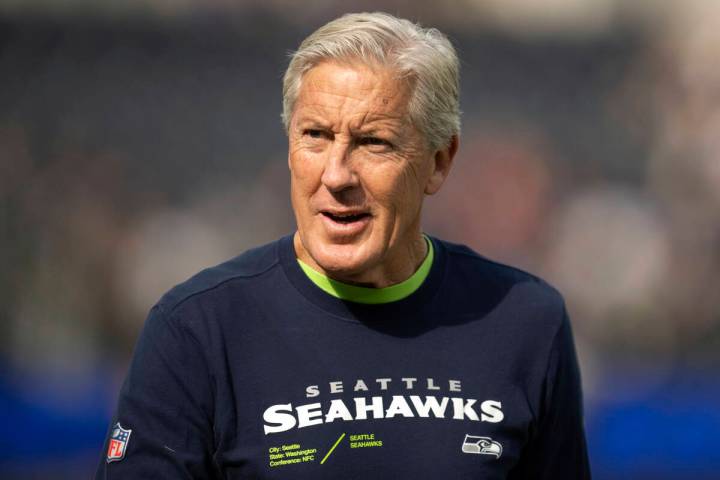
(354, 96)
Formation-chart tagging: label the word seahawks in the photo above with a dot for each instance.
(285, 416)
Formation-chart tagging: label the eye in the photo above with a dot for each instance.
(315, 133)
(374, 141)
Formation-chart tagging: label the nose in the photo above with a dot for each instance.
(338, 174)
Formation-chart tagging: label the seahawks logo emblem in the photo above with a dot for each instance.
(481, 446)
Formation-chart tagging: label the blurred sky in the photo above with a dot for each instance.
(141, 141)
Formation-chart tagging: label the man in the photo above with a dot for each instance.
(357, 347)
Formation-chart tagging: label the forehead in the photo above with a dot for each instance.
(353, 91)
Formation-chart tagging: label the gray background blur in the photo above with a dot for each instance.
(140, 141)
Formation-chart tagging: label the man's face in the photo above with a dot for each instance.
(359, 171)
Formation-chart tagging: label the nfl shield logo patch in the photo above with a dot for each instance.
(119, 439)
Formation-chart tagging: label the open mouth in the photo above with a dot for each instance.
(346, 218)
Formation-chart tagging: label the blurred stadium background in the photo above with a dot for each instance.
(141, 140)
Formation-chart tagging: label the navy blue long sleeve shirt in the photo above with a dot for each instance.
(250, 371)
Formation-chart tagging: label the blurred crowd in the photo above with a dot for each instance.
(143, 143)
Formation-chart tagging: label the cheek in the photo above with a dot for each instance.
(305, 173)
(397, 187)
(395, 192)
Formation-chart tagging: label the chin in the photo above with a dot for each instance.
(342, 259)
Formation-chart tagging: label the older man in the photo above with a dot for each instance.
(357, 347)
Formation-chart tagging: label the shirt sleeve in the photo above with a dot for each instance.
(166, 406)
(557, 449)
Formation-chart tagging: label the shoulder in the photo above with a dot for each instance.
(236, 273)
(478, 281)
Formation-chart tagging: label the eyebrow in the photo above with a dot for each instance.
(310, 119)
(372, 124)
(373, 130)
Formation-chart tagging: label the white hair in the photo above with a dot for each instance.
(422, 56)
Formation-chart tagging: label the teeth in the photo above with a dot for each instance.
(345, 217)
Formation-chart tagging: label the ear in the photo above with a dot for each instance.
(442, 161)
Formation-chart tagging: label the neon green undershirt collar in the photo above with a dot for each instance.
(367, 295)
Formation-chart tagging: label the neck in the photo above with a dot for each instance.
(404, 261)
